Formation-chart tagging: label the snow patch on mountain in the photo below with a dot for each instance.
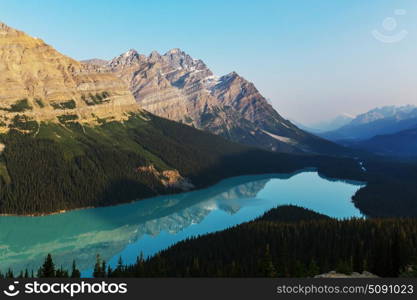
(280, 138)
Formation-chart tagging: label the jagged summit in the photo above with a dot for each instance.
(378, 121)
(392, 111)
(154, 56)
(229, 78)
(127, 59)
(131, 52)
(178, 87)
(174, 51)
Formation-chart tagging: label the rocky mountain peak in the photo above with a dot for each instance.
(397, 112)
(228, 78)
(127, 59)
(178, 59)
(154, 56)
(237, 87)
(178, 87)
(175, 51)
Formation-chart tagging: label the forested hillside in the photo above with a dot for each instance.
(53, 167)
(289, 242)
(49, 167)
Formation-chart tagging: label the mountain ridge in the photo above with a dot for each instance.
(73, 136)
(398, 144)
(378, 121)
(178, 87)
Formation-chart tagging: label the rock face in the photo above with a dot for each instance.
(334, 274)
(180, 88)
(169, 178)
(40, 84)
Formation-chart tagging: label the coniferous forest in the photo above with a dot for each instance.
(290, 242)
(54, 167)
(66, 167)
(287, 241)
(186, 141)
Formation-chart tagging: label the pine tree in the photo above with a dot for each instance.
(109, 272)
(313, 269)
(140, 270)
(103, 268)
(48, 268)
(75, 273)
(98, 271)
(9, 273)
(61, 273)
(267, 268)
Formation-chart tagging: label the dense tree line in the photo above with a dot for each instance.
(279, 245)
(287, 241)
(390, 191)
(65, 167)
(47, 270)
(59, 167)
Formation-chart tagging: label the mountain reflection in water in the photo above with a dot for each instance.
(151, 225)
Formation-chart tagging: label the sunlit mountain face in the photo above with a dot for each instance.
(176, 86)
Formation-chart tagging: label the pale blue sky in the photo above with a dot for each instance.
(312, 58)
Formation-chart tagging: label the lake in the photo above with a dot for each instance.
(153, 224)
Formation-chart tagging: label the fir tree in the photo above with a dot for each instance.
(75, 273)
(48, 268)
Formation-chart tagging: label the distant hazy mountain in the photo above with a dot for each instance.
(178, 87)
(378, 121)
(403, 143)
(305, 127)
(333, 124)
(327, 125)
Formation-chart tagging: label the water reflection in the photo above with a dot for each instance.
(151, 225)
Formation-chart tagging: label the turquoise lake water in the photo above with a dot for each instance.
(151, 225)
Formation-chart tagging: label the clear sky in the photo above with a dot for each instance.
(313, 59)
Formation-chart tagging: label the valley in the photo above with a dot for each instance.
(156, 155)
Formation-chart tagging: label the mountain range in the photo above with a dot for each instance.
(178, 87)
(378, 121)
(73, 135)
